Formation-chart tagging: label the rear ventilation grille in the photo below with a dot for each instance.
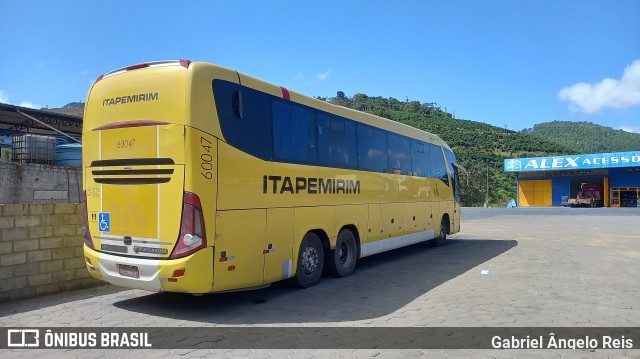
(127, 175)
(134, 180)
(133, 162)
(162, 171)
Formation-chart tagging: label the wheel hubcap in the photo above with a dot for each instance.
(343, 253)
(310, 260)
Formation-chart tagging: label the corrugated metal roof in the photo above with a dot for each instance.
(66, 120)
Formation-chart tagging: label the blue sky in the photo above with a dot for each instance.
(507, 63)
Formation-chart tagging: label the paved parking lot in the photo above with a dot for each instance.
(508, 267)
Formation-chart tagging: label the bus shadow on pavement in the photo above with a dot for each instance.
(380, 285)
(50, 300)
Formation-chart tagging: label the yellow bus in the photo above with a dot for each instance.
(201, 179)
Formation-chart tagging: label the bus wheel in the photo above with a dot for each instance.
(341, 262)
(442, 238)
(310, 261)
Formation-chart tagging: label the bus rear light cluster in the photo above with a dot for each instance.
(178, 273)
(192, 230)
(86, 233)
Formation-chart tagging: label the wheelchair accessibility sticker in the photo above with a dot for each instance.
(104, 221)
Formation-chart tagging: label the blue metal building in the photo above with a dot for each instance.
(552, 181)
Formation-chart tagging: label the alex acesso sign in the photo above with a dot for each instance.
(573, 162)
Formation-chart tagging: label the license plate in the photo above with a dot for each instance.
(128, 271)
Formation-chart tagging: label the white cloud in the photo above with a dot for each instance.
(608, 93)
(83, 73)
(4, 96)
(324, 75)
(29, 105)
(299, 76)
(634, 129)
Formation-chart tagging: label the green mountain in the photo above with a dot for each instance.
(586, 137)
(480, 148)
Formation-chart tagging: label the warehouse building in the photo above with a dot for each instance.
(592, 180)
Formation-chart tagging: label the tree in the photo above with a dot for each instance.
(73, 105)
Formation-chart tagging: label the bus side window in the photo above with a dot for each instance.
(372, 149)
(294, 134)
(438, 164)
(420, 159)
(451, 159)
(336, 141)
(456, 184)
(399, 154)
(239, 109)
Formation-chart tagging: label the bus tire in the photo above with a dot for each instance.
(341, 262)
(441, 239)
(310, 261)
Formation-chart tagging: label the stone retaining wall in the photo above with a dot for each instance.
(41, 250)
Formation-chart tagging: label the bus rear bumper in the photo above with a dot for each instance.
(191, 274)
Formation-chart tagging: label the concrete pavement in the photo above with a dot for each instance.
(508, 267)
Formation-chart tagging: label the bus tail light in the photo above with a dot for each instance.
(192, 236)
(86, 233)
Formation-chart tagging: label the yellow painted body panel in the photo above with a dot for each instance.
(446, 207)
(425, 209)
(456, 217)
(168, 83)
(201, 150)
(145, 212)
(391, 220)
(375, 232)
(278, 260)
(356, 215)
(534, 193)
(197, 279)
(414, 218)
(240, 242)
